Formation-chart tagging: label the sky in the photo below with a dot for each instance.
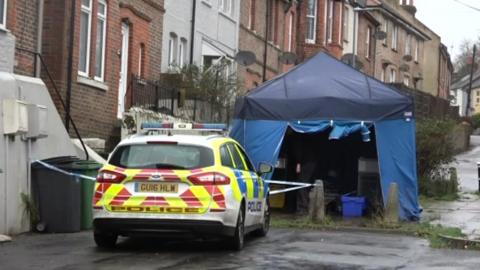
(451, 20)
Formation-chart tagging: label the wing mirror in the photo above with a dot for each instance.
(264, 168)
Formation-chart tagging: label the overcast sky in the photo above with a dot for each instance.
(451, 20)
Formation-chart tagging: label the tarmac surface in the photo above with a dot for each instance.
(281, 249)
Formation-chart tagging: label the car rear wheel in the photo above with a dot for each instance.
(105, 240)
(237, 241)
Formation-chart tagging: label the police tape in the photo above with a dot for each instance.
(53, 168)
(296, 186)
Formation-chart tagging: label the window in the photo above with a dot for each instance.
(3, 13)
(100, 40)
(236, 157)
(85, 30)
(395, 37)
(225, 6)
(385, 27)
(246, 159)
(382, 75)
(393, 75)
(162, 156)
(406, 80)
(330, 5)
(311, 21)
(172, 45)
(367, 42)
(290, 31)
(273, 15)
(141, 60)
(417, 45)
(345, 23)
(251, 16)
(182, 47)
(408, 45)
(225, 157)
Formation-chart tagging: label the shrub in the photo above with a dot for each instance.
(434, 152)
(475, 121)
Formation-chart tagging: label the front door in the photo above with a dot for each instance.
(123, 82)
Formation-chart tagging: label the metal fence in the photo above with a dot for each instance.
(158, 97)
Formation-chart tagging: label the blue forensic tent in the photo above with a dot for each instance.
(324, 93)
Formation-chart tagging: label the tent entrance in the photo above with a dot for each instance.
(346, 165)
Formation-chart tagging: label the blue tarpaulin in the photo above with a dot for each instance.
(324, 93)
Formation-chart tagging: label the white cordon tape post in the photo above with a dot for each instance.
(296, 185)
(53, 168)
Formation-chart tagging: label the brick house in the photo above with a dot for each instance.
(320, 28)
(267, 44)
(111, 41)
(365, 41)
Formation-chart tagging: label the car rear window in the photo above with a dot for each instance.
(162, 156)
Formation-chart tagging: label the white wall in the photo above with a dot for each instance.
(13, 150)
(177, 19)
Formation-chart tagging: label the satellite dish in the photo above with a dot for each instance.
(348, 59)
(380, 35)
(407, 58)
(245, 58)
(404, 67)
(287, 58)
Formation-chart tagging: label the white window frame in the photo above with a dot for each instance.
(345, 22)
(406, 80)
(141, 53)
(417, 49)
(313, 18)
(383, 74)
(290, 31)
(395, 37)
(181, 51)
(102, 17)
(393, 75)
(3, 24)
(367, 42)
(408, 45)
(225, 6)
(172, 49)
(330, 5)
(386, 23)
(87, 10)
(340, 24)
(250, 11)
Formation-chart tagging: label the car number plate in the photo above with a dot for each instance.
(156, 187)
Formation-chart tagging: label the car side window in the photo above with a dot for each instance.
(245, 157)
(236, 157)
(225, 157)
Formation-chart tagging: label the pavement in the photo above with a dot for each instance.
(463, 213)
(281, 249)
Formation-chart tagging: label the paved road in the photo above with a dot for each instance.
(282, 249)
(466, 164)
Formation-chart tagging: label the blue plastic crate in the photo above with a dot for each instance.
(353, 206)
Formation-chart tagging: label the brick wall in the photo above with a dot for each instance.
(322, 42)
(22, 21)
(253, 39)
(94, 103)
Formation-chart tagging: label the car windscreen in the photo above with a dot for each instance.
(162, 156)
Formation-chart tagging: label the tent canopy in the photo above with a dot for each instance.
(326, 89)
(324, 93)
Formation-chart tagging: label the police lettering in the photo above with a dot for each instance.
(155, 209)
(254, 206)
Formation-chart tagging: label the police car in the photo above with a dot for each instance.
(186, 184)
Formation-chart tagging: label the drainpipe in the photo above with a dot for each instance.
(192, 30)
(39, 36)
(70, 65)
(267, 26)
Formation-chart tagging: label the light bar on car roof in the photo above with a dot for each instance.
(184, 126)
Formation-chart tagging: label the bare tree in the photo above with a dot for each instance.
(463, 62)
